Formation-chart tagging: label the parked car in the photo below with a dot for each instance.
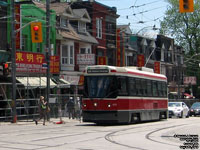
(195, 109)
(178, 109)
(188, 96)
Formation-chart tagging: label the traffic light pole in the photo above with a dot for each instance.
(48, 48)
(13, 59)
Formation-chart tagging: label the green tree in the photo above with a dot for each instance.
(185, 29)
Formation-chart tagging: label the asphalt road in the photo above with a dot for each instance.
(171, 134)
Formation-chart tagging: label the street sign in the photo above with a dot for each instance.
(44, 66)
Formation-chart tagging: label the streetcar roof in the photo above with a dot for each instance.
(137, 71)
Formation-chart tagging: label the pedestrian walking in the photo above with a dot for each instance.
(79, 111)
(71, 108)
(42, 107)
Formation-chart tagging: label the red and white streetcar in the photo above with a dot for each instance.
(123, 95)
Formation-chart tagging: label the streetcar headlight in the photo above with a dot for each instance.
(84, 105)
(109, 105)
(95, 104)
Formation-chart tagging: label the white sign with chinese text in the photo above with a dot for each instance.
(190, 80)
(86, 59)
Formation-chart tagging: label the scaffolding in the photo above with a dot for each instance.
(27, 99)
(26, 105)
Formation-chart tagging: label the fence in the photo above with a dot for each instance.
(58, 104)
(25, 108)
(188, 102)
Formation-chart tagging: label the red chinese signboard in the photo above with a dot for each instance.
(102, 60)
(140, 60)
(32, 62)
(157, 67)
(54, 64)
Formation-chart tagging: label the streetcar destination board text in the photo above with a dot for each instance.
(97, 71)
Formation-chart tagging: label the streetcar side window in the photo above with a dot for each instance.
(160, 90)
(164, 87)
(155, 88)
(132, 88)
(139, 90)
(122, 86)
(149, 88)
(144, 86)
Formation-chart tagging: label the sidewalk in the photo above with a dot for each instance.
(52, 121)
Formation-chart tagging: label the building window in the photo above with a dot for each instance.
(99, 28)
(67, 54)
(82, 50)
(85, 51)
(71, 55)
(81, 26)
(109, 26)
(89, 51)
(63, 23)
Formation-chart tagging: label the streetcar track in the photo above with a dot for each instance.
(108, 136)
(49, 138)
(62, 136)
(147, 136)
(47, 146)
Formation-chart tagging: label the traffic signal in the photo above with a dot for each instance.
(36, 32)
(186, 6)
(6, 69)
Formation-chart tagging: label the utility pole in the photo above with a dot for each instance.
(48, 47)
(13, 59)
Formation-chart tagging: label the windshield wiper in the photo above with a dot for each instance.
(87, 95)
(110, 93)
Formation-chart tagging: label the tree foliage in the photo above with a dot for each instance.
(184, 27)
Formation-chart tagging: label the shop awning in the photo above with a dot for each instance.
(61, 83)
(35, 82)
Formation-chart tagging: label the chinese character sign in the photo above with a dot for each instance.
(29, 62)
(102, 60)
(86, 59)
(55, 64)
(32, 62)
(157, 67)
(140, 60)
(190, 80)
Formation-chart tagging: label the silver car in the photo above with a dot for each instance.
(178, 109)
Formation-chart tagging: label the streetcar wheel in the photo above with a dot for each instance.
(163, 115)
(135, 118)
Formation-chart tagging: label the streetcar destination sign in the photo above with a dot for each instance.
(97, 71)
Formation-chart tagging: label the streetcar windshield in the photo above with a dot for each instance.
(100, 87)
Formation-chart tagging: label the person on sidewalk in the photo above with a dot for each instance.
(42, 107)
(71, 108)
